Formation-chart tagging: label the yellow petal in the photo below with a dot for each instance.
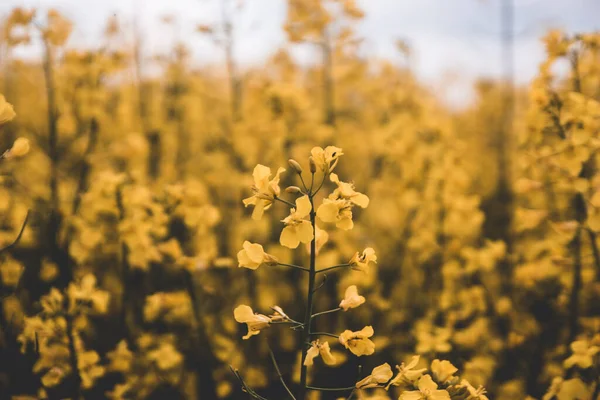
(304, 232)
(260, 174)
(259, 209)
(289, 238)
(328, 211)
(303, 206)
(310, 355)
(243, 313)
(254, 251)
(360, 200)
(345, 224)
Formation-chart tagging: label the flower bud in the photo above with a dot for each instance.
(19, 149)
(293, 190)
(313, 166)
(295, 166)
(7, 112)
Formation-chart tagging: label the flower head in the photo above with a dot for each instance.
(583, 354)
(253, 256)
(336, 211)
(86, 293)
(351, 298)
(256, 322)
(360, 262)
(297, 228)
(407, 375)
(478, 393)
(265, 190)
(346, 191)
(379, 376)
(326, 159)
(358, 342)
(443, 370)
(428, 390)
(317, 348)
(19, 148)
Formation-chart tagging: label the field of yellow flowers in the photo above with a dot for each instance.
(288, 232)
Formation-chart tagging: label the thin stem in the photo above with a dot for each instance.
(326, 312)
(293, 266)
(334, 267)
(322, 283)
(245, 387)
(19, 235)
(324, 334)
(304, 184)
(279, 374)
(285, 202)
(321, 185)
(351, 394)
(309, 302)
(73, 356)
(322, 389)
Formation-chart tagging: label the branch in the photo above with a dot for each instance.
(293, 266)
(285, 202)
(324, 334)
(334, 267)
(340, 389)
(279, 374)
(321, 284)
(245, 387)
(326, 312)
(19, 235)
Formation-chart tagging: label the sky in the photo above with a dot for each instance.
(452, 40)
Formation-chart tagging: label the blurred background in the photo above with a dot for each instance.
(472, 125)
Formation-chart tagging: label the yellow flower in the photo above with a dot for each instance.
(358, 342)
(7, 112)
(338, 211)
(443, 370)
(86, 293)
(317, 348)
(297, 229)
(120, 358)
(474, 393)
(379, 376)
(351, 298)
(89, 370)
(583, 354)
(428, 390)
(346, 191)
(166, 357)
(265, 190)
(324, 158)
(256, 322)
(253, 256)
(360, 262)
(406, 373)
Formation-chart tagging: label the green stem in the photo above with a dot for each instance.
(334, 267)
(309, 303)
(322, 182)
(280, 375)
(285, 202)
(324, 334)
(326, 312)
(293, 266)
(322, 389)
